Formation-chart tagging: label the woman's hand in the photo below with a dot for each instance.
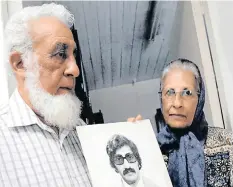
(134, 119)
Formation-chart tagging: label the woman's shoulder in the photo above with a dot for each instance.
(218, 137)
(219, 156)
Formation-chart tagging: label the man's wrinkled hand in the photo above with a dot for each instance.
(134, 119)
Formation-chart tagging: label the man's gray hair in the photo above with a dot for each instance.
(17, 36)
(185, 65)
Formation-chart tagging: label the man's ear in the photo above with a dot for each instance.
(16, 63)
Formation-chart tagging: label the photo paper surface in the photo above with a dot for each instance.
(123, 154)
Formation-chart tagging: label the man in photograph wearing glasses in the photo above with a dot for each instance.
(125, 159)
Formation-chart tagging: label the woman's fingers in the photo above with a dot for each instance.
(134, 119)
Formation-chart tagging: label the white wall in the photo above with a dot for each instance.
(119, 103)
(8, 9)
(184, 43)
(3, 72)
(219, 24)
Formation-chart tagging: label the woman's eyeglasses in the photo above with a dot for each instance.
(119, 159)
(185, 94)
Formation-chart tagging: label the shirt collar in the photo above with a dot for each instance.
(19, 112)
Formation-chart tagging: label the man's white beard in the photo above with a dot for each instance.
(62, 111)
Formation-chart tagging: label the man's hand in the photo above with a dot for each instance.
(137, 118)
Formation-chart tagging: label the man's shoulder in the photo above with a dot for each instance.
(4, 116)
(5, 131)
(148, 182)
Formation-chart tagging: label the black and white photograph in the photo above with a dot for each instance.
(123, 154)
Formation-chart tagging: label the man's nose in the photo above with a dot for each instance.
(72, 69)
(126, 163)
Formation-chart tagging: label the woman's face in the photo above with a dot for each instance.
(179, 98)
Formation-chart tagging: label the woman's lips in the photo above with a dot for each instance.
(177, 115)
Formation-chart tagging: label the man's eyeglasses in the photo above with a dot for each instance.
(185, 94)
(119, 159)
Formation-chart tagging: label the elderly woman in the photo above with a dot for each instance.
(196, 155)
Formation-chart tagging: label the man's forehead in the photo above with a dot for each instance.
(64, 45)
(124, 150)
(50, 29)
(54, 44)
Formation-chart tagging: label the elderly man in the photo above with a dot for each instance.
(38, 142)
(125, 159)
